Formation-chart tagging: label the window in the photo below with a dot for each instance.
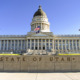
(63, 48)
(43, 40)
(74, 44)
(36, 40)
(73, 40)
(39, 40)
(77, 44)
(47, 44)
(66, 41)
(70, 44)
(56, 40)
(59, 44)
(63, 44)
(56, 44)
(50, 40)
(59, 40)
(12, 44)
(36, 44)
(60, 48)
(63, 40)
(50, 43)
(43, 43)
(32, 43)
(47, 40)
(57, 48)
(77, 40)
(47, 47)
(32, 48)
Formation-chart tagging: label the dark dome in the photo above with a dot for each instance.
(39, 12)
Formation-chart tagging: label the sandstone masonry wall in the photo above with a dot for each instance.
(39, 63)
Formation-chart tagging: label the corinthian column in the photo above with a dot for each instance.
(76, 45)
(45, 44)
(7, 44)
(38, 44)
(30, 43)
(4, 45)
(65, 46)
(34, 44)
(14, 44)
(69, 44)
(41, 44)
(49, 43)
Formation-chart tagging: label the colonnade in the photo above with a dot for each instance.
(39, 44)
(67, 45)
(12, 45)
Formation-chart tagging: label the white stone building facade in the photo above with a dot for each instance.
(44, 40)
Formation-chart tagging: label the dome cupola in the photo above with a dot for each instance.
(40, 20)
(40, 12)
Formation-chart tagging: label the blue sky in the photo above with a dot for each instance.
(16, 16)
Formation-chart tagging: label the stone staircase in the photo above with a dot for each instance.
(39, 52)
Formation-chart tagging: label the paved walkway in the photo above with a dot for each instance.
(40, 76)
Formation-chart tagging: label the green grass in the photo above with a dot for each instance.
(8, 54)
(70, 54)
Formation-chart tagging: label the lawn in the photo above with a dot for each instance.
(8, 54)
(70, 54)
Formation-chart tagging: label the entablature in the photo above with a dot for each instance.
(39, 38)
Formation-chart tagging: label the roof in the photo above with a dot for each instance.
(1, 36)
(68, 35)
(39, 12)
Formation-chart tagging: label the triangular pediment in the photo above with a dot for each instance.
(39, 34)
(43, 34)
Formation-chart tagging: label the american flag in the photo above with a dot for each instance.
(36, 29)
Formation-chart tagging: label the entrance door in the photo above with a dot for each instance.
(43, 48)
(36, 48)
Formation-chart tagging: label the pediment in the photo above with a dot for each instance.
(39, 34)
(32, 34)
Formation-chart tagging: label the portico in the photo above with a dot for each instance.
(40, 42)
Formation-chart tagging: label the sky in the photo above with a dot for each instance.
(16, 16)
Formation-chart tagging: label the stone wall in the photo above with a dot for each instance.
(39, 63)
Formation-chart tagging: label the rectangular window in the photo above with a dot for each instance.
(56, 40)
(47, 40)
(39, 43)
(63, 40)
(47, 44)
(39, 40)
(43, 40)
(50, 43)
(32, 43)
(36, 40)
(50, 40)
(59, 40)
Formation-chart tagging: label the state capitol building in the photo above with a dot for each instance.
(44, 41)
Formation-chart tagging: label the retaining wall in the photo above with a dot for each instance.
(39, 63)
